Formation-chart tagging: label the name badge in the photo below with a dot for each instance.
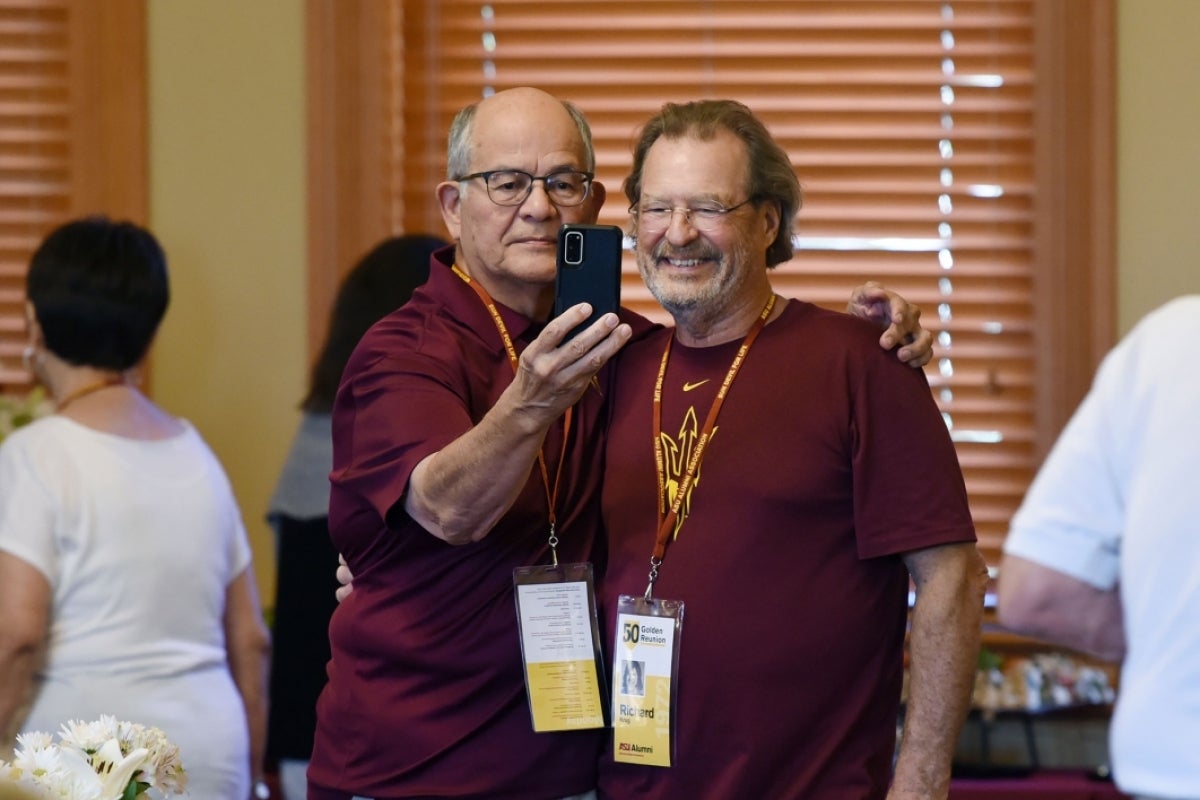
(645, 670)
(560, 646)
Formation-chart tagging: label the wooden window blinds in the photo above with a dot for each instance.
(939, 144)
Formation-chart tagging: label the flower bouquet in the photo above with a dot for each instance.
(102, 760)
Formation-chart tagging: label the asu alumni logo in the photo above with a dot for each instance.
(676, 454)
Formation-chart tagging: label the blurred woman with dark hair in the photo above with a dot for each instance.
(125, 579)
(379, 283)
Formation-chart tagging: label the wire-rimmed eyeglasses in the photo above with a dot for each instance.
(653, 217)
(510, 187)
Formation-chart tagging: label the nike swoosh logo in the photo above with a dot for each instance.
(687, 387)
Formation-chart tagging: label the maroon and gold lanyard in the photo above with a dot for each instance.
(502, 329)
(667, 523)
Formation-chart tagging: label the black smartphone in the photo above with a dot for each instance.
(589, 270)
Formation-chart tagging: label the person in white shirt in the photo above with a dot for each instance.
(1104, 554)
(125, 579)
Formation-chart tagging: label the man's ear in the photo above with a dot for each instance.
(771, 221)
(449, 197)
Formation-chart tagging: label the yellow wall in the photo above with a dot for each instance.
(227, 185)
(1158, 154)
(227, 198)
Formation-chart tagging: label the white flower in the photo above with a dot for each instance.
(36, 753)
(107, 773)
(98, 760)
(89, 736)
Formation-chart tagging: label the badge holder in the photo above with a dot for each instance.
(645, 677)
(560, 646)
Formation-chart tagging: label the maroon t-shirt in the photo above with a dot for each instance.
(426, 694)
(829, 459)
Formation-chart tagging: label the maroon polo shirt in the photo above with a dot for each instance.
(426, 694)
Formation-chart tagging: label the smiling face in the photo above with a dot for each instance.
(511, 249)
(704, 277)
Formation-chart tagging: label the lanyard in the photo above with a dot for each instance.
(667, 522)
(502, 329)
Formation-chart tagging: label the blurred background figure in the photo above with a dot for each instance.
(1104, 552)
(379, 283)
(125, 579)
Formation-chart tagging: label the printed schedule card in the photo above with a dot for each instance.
(560, 656)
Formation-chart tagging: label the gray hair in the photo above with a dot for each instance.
(458, 146)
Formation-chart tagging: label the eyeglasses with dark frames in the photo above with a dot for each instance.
(510, 187)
